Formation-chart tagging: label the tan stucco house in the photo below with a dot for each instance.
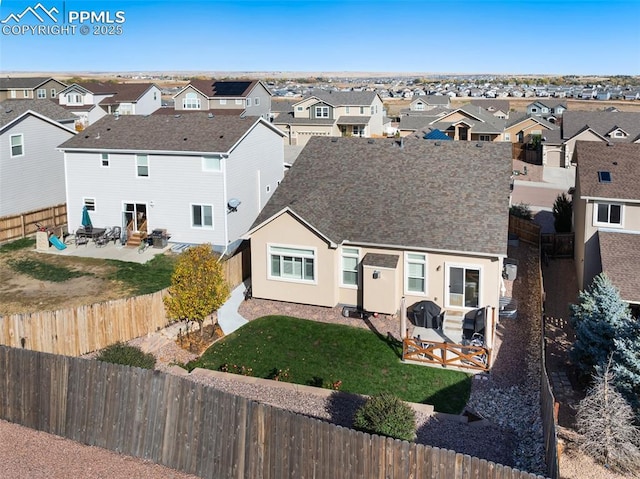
(366, 222)
(333, 113)
(470, 123)
(607, 215)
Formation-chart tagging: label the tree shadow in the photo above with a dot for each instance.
(342, 407)
(393, 343)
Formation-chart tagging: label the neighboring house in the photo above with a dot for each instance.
(601, 126)
(521, 128)
(39, 88)
(429, 102)
(606, 214)
(334, 113)
(414, 121)
(31, 168)
(367, 222)
(91, 101)
(203, 178)
(498, 108)
(471, 123)
(244, 97)
(550, 110)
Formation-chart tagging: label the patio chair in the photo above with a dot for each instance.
(473, 324)
(114, 234)
(103, 239)
(81, 240)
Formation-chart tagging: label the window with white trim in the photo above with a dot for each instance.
(485, 138)
(191, 101)
(53, 93)
(239, 101)
(299, 108)
(142, 165)
(357, 131)
(42, 93)
(322, 112)
(104, 159)
(347, 110)
(350, 260)
(415, 266)
(296, 264)
(25, 93)
(90, 203)
(74, 99)
(507, 137)
(464, 286)
(12, 94)
(248, 102)
(223, 101)
(607, 214)
(362, 110)
(256, 101)
(211, 163)
(419, 106)
(202, 216)
(17, 145)
(268, 188)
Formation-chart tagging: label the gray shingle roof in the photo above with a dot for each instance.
(622, 160)
(486, 103)
(224, 89)
(353, 120)
(344, 98)
(434, 195)
(192, 132)
(381, 260)
(518, 117)
(11, 109)
(415, 122)
(601, 122)
(288, 118)
(620, 261)
(25, 82)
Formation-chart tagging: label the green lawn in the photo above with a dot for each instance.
(146, 278)
(320, 354)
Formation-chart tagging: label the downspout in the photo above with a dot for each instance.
(226, 201)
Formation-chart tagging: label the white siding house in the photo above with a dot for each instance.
(202, 178)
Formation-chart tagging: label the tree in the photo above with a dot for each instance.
(626, 366)
(605, 421)
(198, 286)
(562, 214)
(599, 318)
(521, 211)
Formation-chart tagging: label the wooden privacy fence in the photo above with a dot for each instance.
(196, 429)
(526, 230)
(18, 226)
(84, 329)
(558, 245)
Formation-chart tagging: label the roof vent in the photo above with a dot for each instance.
(221, 136)
(176, 116)
(371, 142)
(334, 140)
(615, 163)
(210, 115)
(8, 111)
(479, 145)
(604, 176)
(184, 139)
(437, 143)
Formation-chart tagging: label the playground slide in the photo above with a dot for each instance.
(55, 241)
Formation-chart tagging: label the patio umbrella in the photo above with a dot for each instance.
(86, 219)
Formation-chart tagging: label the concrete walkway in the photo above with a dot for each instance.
(228, 317)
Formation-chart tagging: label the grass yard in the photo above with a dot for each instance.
(320, 354)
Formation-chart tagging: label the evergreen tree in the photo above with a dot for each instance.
(598, 319)
(562, 214)
(626, 366)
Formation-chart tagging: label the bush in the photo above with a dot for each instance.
(563, 214)
(521, 211)
(386, 415)
(121, 353)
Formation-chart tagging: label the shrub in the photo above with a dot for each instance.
(386, 415)
(521, 211)
(121, 353)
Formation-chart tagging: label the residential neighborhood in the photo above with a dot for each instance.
(337, 199)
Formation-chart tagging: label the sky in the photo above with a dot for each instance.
(556, 37)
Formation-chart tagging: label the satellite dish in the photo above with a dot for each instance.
(233, 204)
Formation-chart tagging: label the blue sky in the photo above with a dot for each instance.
(446, 36)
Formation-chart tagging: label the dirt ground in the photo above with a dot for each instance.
(20, 293)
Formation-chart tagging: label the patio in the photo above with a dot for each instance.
(110, 250)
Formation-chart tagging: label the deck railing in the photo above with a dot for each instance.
(447, 354)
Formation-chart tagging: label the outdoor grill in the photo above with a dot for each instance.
(159, 238)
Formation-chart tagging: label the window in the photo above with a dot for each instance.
(292, 263)
(202, 216)
(485, 138)
(300, 109)
(268, 188)
(53, 93)
(155, 95)
(42, 93)
(239, 101)
(211, 163)
(534, 110)
(256, 101)
(358, 130)
(17, 145)
(74, 99)
(142, 165)
(90, 203)
(464, 287)
(362, 110)
(322, 112)
(223, 101)
(191, 101)
(350, 260)
(13, 94)
(372, 110)
(507, 137)
(619, 134)
(419, 106)
(248, 102)
(105, 159)
(607, 214)
(25, 93)
(346, 110)
(416, 270)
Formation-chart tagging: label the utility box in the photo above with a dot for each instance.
(42, 240)
(510, 269)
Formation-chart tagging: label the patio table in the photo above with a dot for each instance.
(93, 233)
